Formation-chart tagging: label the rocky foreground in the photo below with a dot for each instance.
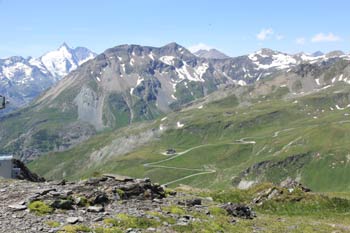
(107, 204)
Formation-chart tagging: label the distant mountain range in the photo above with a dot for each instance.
(23, 79)
(270, 117)
(132, 83)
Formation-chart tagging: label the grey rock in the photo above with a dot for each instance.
(17, 207)
(72, 220)
(95, 209)
(97, 219)
(101, 198)
(62, 204)
(193, 202)
(239, 210)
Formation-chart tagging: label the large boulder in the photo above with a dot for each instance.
(239, 210)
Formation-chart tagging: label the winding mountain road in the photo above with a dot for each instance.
(200, 171)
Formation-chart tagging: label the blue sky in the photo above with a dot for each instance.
(33, 27)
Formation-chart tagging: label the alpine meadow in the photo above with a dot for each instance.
(174, 117)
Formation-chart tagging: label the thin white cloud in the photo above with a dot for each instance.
(197, 47)
(264, 34)
(300, 40)
(321, 37)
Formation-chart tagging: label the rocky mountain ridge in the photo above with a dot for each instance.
(210, 54)
(133, 83)
(23, 79)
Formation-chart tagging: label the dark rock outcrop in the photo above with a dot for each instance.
(25, 173)
(262, 170)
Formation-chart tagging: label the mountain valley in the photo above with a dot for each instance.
(267, 130)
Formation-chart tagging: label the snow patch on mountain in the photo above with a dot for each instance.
(196, 76)
(151, 55)
(139, 80)
(318, 81)
(200, 70)
(279, 61)
(10, 71)
(169, 60)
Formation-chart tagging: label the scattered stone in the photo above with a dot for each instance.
(139, 196)
(98, 219)
(56, 194)
(72, 220)
(184, 220)
(95, 209)
(17, 207)
(21, 202)
(101, 198)
(156, 200)
(193, 202)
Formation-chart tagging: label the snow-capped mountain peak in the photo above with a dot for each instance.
(23, 79)
(63, 60)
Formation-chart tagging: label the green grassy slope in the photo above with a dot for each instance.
(221, 140)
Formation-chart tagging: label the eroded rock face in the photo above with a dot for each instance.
(260, 170)
(293, 184)
(286, 187)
